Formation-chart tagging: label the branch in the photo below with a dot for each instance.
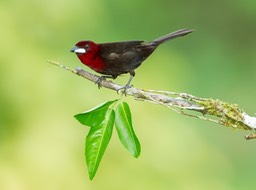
(213, 110)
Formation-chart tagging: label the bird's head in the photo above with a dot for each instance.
(85, 47)
(88, 53)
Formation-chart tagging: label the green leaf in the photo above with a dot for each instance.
(123, 123)
(94, 116)
(97, 141)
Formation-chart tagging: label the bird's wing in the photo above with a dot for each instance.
(115, 50)
(120, 57)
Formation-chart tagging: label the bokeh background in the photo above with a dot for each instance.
(42, 145)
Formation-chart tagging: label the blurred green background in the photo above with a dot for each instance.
(42, 145)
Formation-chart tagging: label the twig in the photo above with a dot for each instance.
(220, 112)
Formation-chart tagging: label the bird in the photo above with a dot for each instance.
(116, 58)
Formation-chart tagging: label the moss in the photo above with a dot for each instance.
(229, 114)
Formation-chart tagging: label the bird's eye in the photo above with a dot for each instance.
(87, 46)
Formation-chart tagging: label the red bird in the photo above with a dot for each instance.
(116, 58)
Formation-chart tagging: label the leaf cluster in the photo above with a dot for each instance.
(101, 121)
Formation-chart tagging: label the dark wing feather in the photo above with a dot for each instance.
(117, 47)
(120, 57)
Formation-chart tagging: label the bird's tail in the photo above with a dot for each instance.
(172, 35)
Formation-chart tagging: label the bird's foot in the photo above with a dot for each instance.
(123, 90)
(100, 79)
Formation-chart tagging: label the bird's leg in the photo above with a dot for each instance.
(104, 77)
(132, 74)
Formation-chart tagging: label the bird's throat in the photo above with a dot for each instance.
(92, 61)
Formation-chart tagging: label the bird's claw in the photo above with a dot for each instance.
(99, 80)
(123, 90)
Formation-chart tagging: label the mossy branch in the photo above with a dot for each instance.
(213, 110)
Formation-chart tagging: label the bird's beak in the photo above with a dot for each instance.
(73, 49)
(76, 49)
